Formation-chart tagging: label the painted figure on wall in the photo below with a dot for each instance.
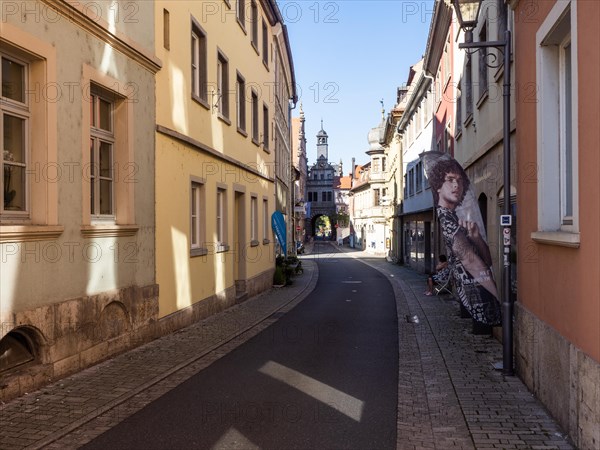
(469, 256)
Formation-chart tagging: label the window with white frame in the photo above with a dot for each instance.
(266, 222)
(557, 121)
(254, 219)
(199, 63)
(14, 132)
(254, 106)
(241, 103)
(197, 218)
(265, 47)
(254, 25)
(221, 222)
(102, 153)
(240, 13)
(266, 124)
(223, 85)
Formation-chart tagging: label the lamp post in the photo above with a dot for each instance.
(467, 12)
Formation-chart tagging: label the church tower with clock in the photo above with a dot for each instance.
(320, 182)
(322, 145)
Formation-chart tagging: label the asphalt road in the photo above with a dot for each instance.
(324, 376)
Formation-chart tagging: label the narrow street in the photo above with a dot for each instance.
(330, 362)
(323, 376)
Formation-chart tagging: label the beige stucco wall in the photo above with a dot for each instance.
(44, 272)
(194, 143)
(79, 289)
(185, 279)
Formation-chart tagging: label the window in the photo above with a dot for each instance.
(241, 103)
(483, 55)
(265, 127)
(329, 196)
(221, 223)
(240, 13)
(459, 109)
(14, 110)
(255, 117)
(375, 165)
(502, 18)
(469, 87)
(254, 220)
(102, 143)
(265, 49)
(323, 196)
(197, 215)
(376, 197)
(419, 176)
(223, 85)
(556, 122)
(166, 30)
(446, 59)
(254, 25)
(266, 222)
(199, 77)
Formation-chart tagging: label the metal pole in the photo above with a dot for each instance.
(507, 306)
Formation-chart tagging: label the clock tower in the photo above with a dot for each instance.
(322, 151)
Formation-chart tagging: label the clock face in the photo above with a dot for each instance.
(321, 164)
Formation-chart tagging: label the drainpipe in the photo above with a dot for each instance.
(291, 101)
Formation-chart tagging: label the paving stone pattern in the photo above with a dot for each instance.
(450, 396)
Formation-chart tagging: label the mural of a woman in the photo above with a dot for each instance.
(469, 256)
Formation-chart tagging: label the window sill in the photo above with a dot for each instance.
(222, 248)
(254, 243)
(255, 47)
(559, 238)
(100, 231)
(266, 241)
(458, 134)
(29, 233)
(194, 252)
(242, 132)
(201, 101)
(498, 74)
(468, 120)
(484, 96)
(242, 26)
(224, 119)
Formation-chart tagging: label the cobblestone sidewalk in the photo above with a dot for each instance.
(449, 394)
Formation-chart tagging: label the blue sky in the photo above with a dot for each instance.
(348, 55)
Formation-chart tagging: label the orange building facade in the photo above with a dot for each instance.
(558, 313)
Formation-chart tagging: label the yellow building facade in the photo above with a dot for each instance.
(222, 128)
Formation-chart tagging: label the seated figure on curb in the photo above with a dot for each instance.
(442, 272)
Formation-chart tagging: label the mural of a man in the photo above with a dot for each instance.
(468, 253)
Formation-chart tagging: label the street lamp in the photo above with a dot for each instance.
(467, 12)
